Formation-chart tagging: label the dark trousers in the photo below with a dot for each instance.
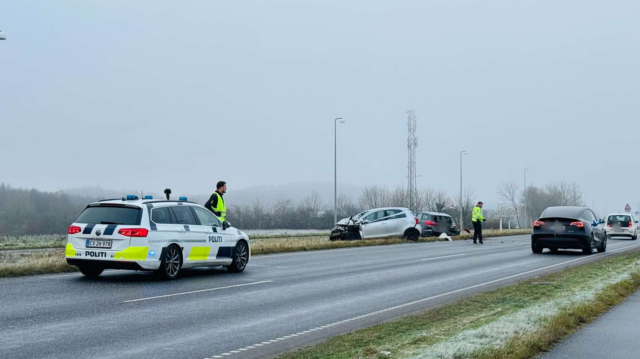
(477, 230)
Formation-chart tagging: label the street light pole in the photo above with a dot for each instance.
(461, 219)
(335, 169)
(526, 221)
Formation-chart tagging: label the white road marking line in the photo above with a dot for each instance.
(440, 295)
(453, 255)
(198, 291)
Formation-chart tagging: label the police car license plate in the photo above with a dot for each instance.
(93, 243)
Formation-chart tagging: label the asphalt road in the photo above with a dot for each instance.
(612, 336)
(279, 303)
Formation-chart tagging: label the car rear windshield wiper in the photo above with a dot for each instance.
(107, 222)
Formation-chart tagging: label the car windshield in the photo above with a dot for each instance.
(360, 215)
(621, 218)
(563, 212)
(111, 215)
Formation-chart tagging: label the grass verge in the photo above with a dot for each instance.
(16, 264)
(33, 242)
(514, 322)
(310, 243)
(53, 261)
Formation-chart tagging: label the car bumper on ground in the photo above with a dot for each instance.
(561, 241)
(434, 233)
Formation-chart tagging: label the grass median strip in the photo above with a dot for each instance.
(15, 263)
(308, 243)
(513, 322)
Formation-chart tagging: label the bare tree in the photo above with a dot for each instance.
(374, 197)
(399, 197)
(509, 192)
(468, 202)
(346, 207)
(441, 200)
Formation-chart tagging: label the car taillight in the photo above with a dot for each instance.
(538, 224)
(608, 224)
(577, 224)
(430, 223)
(630, 224)
(417, 221)
(73, 230)
(134, 232)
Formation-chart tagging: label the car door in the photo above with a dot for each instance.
(372, 225)
(598, 231)
(210, 224)
(192, 238)
(163, 221)
(395, 222)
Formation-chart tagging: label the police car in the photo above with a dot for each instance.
(158, 235)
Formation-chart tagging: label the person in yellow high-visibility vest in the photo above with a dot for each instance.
(216, 203)
(477, 219)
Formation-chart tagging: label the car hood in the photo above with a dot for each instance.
(343, 222)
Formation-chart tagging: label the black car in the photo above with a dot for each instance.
(434, 224)
(568, 227)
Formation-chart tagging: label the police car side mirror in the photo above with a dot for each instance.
(225, 225)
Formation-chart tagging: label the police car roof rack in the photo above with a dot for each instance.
(167, 200)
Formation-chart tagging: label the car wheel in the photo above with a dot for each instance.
(536, 249)
(240, 258)
(589, 249)
(91, 272)
(171, 263)
(353, 236)
(411, 234)
(603, 246)
(635, 236)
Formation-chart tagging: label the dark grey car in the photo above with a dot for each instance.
(568, 227)
(434, 224)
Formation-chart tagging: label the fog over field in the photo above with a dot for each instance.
(147, 95)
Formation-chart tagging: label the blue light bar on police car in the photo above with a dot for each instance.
(183, 198)
(148, 197)
(131, 197)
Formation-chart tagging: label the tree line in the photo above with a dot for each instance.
(31, 212)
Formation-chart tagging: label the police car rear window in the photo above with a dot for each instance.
(111, 215)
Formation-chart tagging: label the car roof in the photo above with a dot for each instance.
(383, 208)
(139, 202)
(436, 213)
(619, 214)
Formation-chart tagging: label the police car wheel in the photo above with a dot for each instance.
(171, 263)
(91, 272)
(240, 258)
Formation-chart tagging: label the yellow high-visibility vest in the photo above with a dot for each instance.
(220, 207)
(476, 216)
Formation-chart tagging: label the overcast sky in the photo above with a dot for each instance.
(156, 94)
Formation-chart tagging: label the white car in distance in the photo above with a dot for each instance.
(621, 225)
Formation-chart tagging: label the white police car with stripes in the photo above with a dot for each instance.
(159, 235)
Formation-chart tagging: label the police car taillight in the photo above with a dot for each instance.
(74, 229)
(134, 232)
